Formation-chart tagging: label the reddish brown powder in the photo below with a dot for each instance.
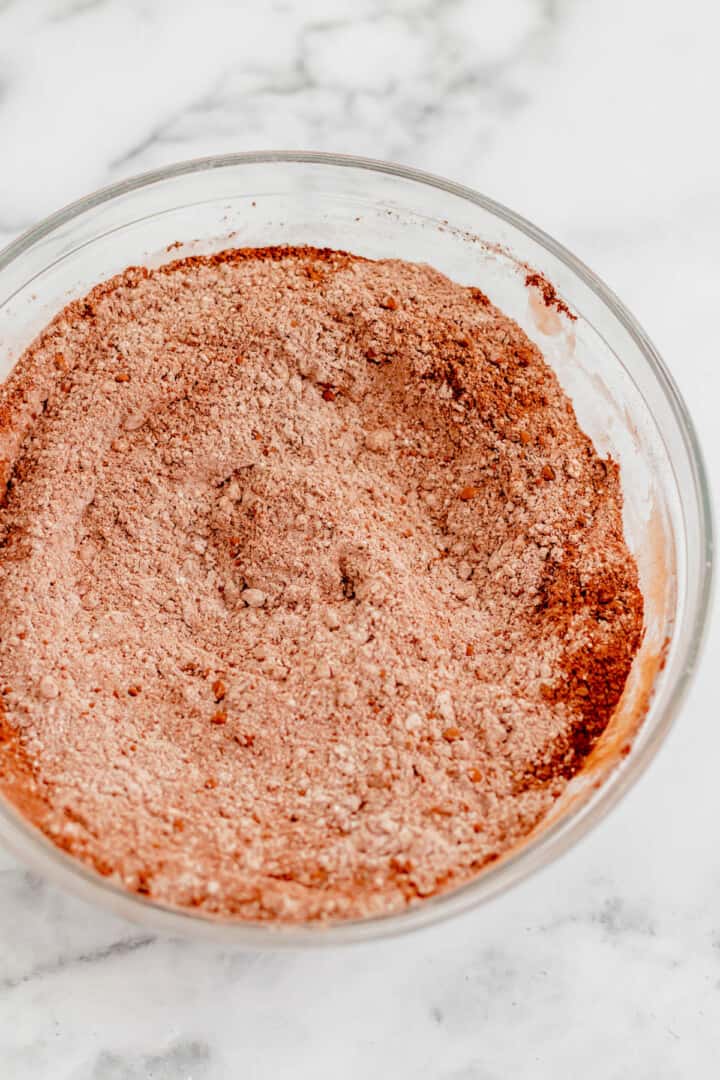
(313, 595)
(550, 298)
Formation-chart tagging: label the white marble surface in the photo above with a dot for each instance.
(597, 119)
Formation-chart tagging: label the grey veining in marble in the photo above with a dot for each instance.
(597, 119)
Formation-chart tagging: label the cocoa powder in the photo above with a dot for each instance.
(313, 594)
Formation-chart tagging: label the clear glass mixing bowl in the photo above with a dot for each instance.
(623, 394)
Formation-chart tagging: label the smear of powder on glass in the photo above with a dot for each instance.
(313, 595)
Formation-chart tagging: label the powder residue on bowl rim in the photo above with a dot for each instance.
(313, 595)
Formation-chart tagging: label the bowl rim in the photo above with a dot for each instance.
(31, 847)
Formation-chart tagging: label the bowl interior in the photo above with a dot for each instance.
(621, 393)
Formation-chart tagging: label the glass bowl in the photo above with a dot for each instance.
(623, 394)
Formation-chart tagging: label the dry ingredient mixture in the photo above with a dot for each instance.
(313, 595)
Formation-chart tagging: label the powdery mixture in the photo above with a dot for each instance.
(313, 595)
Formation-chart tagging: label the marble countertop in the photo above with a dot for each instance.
(598, 120)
